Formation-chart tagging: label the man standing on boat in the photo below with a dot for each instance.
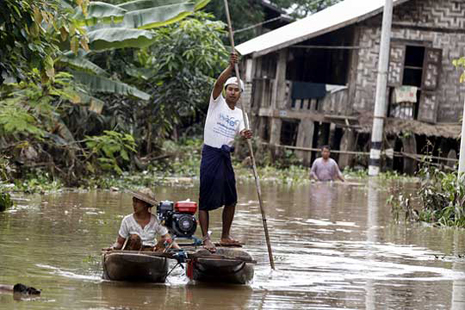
(325, 168)
(217, 181)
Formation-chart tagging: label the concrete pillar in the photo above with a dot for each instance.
(381, 92)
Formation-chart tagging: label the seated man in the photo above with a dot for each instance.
(138, 230)
(325, 168)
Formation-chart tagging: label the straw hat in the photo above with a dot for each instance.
(146, 195)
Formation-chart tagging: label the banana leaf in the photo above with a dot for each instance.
(200, 4)
(94, 104)
(81, 63)
(100, 12)
(158, 16)
(147, 4)
(140, 73)
(63, 132)
(108, 38)
(106, 85)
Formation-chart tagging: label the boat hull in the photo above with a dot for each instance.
(134, 267)
(216, 270)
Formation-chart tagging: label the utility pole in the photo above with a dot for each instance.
(462, 148)
(381, 88)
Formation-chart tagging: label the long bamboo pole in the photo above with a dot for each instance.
(249, 143)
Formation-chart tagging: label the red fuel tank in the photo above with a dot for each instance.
(185, 207)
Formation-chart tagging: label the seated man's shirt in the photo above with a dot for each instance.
(148, 234)
(325, 170)
(222, 124)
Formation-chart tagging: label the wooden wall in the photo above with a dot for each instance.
(431, 23)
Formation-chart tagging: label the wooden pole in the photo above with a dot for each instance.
(381, 88)
(249, 143)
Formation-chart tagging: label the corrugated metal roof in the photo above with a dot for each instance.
(337, 16)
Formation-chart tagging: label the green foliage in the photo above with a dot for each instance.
(441, 199)
(401, 205)
(245, 13)
(177, 71)
(292, 175)
(45, 116)
(303, 8)
(38, 182)
(460, 63)
(28, 110)
(355, 173)
(16, 119)
(31, 32)
(103, 84)
(99, 12)
(158, 16)
(112, 150)
(5, 168)
(5, 201)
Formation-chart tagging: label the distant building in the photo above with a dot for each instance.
(313, 81)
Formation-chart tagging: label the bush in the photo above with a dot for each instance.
(5, 201)
(441, 199)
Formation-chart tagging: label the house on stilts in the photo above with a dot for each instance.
(313, 82)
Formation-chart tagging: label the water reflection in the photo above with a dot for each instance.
(372, 237)
(458, 286)
(335, 247)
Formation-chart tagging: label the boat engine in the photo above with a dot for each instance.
(178, 217)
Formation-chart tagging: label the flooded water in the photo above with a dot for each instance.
(335, 247)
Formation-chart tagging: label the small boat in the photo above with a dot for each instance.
(135, 266)
(226, 265)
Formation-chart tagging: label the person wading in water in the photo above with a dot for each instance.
(217, 181)
(325, 168)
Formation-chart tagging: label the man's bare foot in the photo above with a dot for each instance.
(208, 245)
(229, 242)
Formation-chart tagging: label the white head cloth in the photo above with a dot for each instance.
(233, 80)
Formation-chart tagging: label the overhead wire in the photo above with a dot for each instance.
(270, 20)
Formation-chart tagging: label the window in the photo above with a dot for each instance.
(413, 66)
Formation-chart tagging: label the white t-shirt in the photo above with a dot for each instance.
(222, 124)
(129, 226)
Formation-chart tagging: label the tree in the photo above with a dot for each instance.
(49, 47)
(178, 70)
(30, 36)
(245, 13)
(302, 8)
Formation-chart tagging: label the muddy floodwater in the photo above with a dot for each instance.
(335, 246)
